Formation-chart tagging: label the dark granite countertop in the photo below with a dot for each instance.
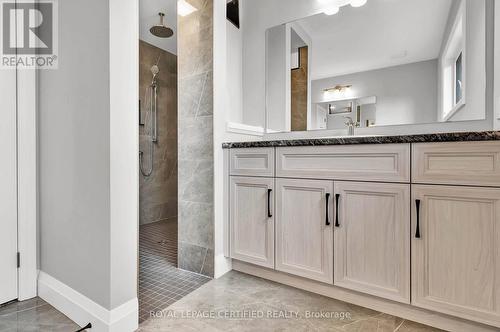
(440, 137)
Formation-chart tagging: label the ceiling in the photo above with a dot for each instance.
(148, 16)
(380, 34)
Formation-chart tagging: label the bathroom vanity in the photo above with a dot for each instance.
(404, 224)
(407, 225)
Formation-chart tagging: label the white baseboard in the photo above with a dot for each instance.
(222, 266)
(83, 310)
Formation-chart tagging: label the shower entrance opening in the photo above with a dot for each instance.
(161, 283)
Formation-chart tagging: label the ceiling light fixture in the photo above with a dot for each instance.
(184, 8)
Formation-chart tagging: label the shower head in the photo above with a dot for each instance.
(161, 30)
(155, 70)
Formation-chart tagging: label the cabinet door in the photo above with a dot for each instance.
(371, 237)
(252, 221)
(456, 253)
(304, 228)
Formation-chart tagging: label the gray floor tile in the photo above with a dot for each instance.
(34, 315)
(239, 302)
(161, 283)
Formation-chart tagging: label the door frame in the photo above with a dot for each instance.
(27, 183)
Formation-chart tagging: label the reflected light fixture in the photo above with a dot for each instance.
(332, 7)
(339, 89)
(358, 3)
(184, 8)
(331, 10)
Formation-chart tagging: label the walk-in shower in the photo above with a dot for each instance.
(159, 162)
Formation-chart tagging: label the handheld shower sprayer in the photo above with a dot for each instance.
(154, 70)
(153, 110)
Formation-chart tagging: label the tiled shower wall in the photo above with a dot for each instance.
(196, 212)
(158, 193)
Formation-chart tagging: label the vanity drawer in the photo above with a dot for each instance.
(384, 162)
(462, 163)
(252, 162)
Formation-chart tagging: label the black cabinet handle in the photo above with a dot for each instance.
(327, 223)
(417, 231)
(337, 198)
(269, 214)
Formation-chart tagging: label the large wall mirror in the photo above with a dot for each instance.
(368, 63)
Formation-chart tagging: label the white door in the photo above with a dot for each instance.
(456, 251)
(252, 220)
(304, 228)
(371, 239)
(8, 187)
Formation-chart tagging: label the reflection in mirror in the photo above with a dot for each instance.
(377, 63)
(336, 114)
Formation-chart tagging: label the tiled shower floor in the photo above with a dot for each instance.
(160, 282)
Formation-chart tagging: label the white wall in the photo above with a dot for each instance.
(223, 112)
(74, 145)
(8, 186)
(405, 94)
(88, 150)
(124, 154)
(475, 60)
(278, 79)
(264, 14)
(234, 58)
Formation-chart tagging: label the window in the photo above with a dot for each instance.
(452, 64)
(458, 79)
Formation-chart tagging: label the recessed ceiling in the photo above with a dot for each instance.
(381, 34)
(148, 17)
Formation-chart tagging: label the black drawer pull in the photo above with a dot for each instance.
(417, 231)
(337, 198)
(327, 223)
(269, 214)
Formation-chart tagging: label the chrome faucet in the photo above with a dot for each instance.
(351, 124)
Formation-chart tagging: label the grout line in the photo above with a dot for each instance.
(399, 326)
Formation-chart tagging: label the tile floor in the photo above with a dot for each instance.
(235, 302)
(239, 302)
(34, 315)
(160, 238)
(160, 282)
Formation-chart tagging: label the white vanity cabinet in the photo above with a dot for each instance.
(371, 242)
(456, 251)
(304, 228)
(416, 237)
(252, 220)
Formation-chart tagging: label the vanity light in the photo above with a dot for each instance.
(358, 3)
(184, 8)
